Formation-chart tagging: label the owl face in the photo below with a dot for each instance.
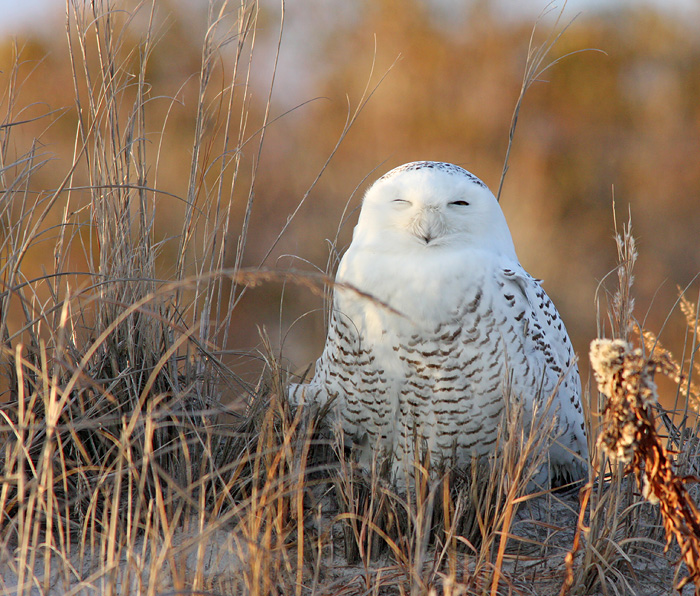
(428, 206)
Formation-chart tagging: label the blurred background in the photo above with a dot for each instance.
(436, 80)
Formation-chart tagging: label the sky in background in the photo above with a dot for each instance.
(18, 15)
(533, 7)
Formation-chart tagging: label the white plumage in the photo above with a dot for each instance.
(466, 322)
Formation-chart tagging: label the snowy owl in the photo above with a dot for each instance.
(457, 323)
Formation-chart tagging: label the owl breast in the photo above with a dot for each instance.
(426, 366)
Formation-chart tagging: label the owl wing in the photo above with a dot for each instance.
(547, 344)
(334, 366)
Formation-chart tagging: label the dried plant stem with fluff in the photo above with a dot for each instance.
(686, 387)
(608, 505)
(620, 313)
(628, 436)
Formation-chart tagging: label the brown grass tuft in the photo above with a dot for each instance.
(629, 437)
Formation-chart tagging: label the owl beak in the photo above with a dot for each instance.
(429, 226)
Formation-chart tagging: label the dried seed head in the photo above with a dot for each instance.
(607, 357)
(626, 377)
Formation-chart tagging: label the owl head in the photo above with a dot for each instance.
(429, 206)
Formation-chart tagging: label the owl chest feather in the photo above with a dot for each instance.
(434, 355)
(422, 288)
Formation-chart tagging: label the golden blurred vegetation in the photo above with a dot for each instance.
(624, 122)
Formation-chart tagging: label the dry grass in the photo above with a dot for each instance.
(626, 377)
(123, 471)
(625, 532)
